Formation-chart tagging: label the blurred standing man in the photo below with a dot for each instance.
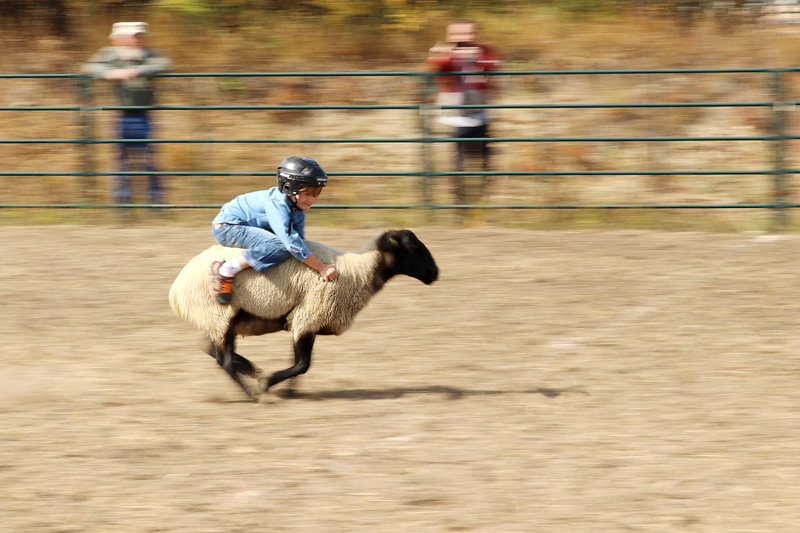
(131, 65)
(461, 53)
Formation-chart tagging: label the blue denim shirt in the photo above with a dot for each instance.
(273, 211)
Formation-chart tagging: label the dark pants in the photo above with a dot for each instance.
(136, 125)
(471, 155)
(472, 148)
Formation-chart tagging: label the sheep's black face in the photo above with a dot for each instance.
(405, 254)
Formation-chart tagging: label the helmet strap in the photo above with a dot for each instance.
(292, 200)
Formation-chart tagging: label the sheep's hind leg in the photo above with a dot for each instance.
(243, 365)
(227, 359)
(302, 361)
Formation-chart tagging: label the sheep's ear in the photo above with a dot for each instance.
(391, 241)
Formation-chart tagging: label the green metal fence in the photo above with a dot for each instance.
(779, 138)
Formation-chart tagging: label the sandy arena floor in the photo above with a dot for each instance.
(551, 382)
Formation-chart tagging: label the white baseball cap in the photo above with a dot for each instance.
(127, 29)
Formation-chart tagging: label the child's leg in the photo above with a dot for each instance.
(231, 267)
(263, 248)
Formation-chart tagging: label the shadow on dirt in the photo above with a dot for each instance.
(450, 393)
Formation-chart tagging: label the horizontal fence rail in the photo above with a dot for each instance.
(415, 140)
(779, 137)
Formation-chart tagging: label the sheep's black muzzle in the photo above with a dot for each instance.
(431, 275)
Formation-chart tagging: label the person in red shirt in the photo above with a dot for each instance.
(462, 53)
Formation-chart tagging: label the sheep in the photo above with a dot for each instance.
(292, 297)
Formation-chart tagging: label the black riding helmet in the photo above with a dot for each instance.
(297, 172)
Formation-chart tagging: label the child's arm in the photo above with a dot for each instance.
(328, 272)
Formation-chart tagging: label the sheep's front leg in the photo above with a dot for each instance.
(302, 361)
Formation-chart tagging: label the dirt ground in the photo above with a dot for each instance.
(562, 382)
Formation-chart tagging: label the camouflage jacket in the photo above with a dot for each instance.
(138, 91)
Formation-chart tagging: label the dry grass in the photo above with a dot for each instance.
(543, 42)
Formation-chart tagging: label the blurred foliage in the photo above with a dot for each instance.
(59, 15)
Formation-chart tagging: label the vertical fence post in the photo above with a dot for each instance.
(88, 189)
(779, 109)
(425, 111)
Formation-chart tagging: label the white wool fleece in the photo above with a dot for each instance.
(291, 290)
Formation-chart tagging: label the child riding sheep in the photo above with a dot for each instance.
(270, 224)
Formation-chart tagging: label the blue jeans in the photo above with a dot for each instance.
(136, 126)
(264, 249)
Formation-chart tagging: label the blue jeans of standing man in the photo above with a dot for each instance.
(136, 125)
(264, 249)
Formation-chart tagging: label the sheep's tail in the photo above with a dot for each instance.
(191, 299)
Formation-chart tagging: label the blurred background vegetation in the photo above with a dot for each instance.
(57, 36)
(390, 30)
